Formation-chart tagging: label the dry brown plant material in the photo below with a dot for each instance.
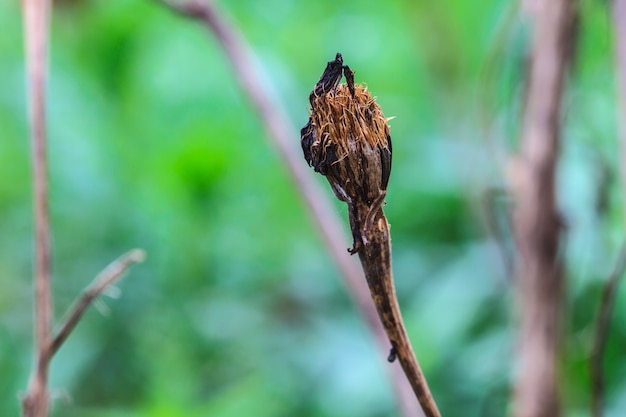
(347, 140)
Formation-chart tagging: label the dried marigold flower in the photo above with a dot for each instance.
(347, 140)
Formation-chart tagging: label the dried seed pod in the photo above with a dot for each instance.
(347, 140)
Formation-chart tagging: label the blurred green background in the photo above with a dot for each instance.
(239, 310)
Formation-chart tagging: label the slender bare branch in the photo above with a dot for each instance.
(104, 279)
(36, 17)
(603, 321)
(284, 137)
(36, 401)
(537, 222)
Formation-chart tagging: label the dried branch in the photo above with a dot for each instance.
(107, 277)
(282, 134)
(102, 281)
(603, 321)
(36, 18)
(537, 222)
(36, 400)
(347, 140)
(375, 256)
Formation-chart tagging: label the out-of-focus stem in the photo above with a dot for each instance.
(282, 134)
(537, 222)
(36, 17)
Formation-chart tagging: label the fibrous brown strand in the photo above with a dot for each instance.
(339, 118)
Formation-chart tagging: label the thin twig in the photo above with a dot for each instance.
(104, 279)
(537, 222)
(36, 18)
(283, 136)
(36, 400)
(603, 321)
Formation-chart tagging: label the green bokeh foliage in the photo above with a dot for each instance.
(238, 309)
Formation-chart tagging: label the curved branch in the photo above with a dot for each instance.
(283, 136)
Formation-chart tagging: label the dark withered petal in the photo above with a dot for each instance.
(329, 79)
(385, 158)
(307, 138)
(349, 78)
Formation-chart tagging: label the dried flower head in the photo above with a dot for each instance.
(347, 140)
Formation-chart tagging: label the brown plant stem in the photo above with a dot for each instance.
(36, 17)
(347, 140)
(537, 222)
(601, 333)
(375, 257)
(281, 134)
(35, 402)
